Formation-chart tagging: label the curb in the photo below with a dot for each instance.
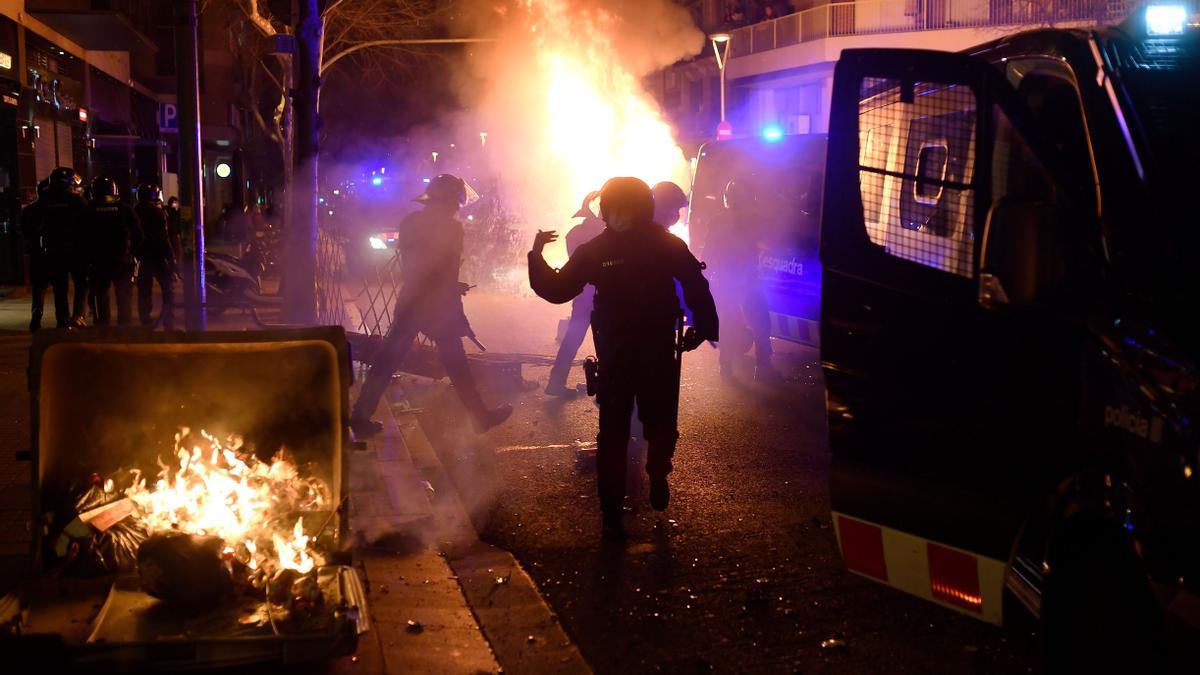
(524, 632)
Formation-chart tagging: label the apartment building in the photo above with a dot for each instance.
(779, 71)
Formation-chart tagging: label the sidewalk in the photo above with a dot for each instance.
(441, 601)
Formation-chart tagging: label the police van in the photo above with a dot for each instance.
(783, 172)
(1011, 273)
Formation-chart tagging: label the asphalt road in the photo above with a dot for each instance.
(741, 574)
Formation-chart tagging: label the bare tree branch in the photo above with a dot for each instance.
(396, 43)
(260, 21)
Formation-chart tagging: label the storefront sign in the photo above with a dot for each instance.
(10, 100)
(5, 61)
(62, 92)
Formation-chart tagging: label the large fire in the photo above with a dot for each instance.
(600, 121)
(220, 490)
(570, 91)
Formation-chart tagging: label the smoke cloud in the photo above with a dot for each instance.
(559, 95)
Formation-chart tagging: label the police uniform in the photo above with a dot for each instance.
(633, 324)
(39, 273)
(158, 263)
(115, 234)
(61, 227)
(731, 253)
(581, 308)
(429, 302)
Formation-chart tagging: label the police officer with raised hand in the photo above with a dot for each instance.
(158, 255)
(633, 265)
(61, 223)
(429, 302)
(581, 306)
(115, 234)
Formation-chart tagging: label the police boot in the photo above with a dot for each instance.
(560, 391)
(486, 418)
(766, 373)
(557, 384)
(612, 526)
(660, 493)
(364, 427)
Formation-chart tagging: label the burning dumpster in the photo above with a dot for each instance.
(189, 502)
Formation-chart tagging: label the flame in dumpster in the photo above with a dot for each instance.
(219, 490)
(571, 106)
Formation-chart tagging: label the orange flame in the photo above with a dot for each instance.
(234, 496)
(587, 118)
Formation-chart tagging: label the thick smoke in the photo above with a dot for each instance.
(560, 96)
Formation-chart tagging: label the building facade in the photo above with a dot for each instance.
(779, 71)
(90, 84)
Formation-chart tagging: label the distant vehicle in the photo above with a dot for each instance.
(785, 172)
(1009, 341)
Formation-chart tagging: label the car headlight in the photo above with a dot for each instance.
(377, 244)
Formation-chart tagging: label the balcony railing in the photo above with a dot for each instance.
(869, 17)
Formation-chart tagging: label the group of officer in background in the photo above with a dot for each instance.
(96, 245)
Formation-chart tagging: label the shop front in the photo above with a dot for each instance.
(55, 81)
(10, 131)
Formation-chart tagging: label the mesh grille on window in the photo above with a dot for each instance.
(916, 153)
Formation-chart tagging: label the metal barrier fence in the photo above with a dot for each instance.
(330, 273)
(376, 297)
(869, 17)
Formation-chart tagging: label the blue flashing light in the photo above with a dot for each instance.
(320, 200)
(772, 133)
(377, 180)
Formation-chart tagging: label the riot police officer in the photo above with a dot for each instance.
(39, 273)
(731, 253)
(158, 254)
(633, 265)
(63, 246)
(581, 306)
(668, 200)
(115, 234)
(429, 302)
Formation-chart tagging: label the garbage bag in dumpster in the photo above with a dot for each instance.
(130, 572)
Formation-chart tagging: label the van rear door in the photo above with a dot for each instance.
(923, 379)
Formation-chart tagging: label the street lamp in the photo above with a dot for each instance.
(720, 44)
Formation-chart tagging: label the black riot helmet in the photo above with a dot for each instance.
(447, 189)
(66, 179)
(585, 210)
(739, 194)
(149, 193)
(668, 199)
(105, 189)
(625, 201)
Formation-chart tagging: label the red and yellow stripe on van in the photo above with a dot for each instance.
(954, 578)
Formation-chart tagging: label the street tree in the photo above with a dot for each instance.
(380, 39)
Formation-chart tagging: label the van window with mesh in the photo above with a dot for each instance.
(916, 158)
